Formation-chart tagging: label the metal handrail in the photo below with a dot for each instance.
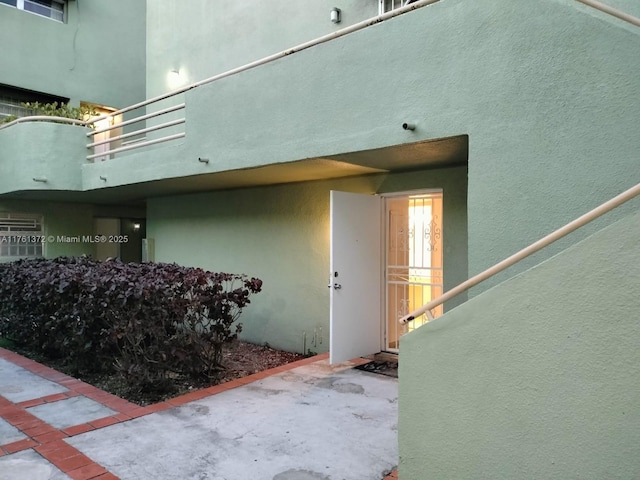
(45, 118)
(612, 11)
(525, 252)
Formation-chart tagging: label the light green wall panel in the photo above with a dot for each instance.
(547, 91)
(98, 55)
(201, 38)
(280, 234)
(534, 378)
(50, 151)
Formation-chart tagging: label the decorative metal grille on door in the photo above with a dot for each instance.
(414, 259)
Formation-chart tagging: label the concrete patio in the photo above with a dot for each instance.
(304, 421)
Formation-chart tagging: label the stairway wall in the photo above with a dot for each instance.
(537, 377)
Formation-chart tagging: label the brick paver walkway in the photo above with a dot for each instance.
(48, 441)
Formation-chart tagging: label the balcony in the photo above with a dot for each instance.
(41, 155)
(325, 109)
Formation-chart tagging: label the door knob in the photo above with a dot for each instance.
(337, 286)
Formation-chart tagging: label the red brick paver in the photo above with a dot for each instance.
(48, 440)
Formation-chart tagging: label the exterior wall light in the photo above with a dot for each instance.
(408, 126)
(176, 78)
(335, 15)
(136, 227)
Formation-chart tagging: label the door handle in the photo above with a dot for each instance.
(336, 286)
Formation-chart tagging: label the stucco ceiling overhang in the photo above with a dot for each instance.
(436, 153)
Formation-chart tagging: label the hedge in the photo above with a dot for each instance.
(149, 321)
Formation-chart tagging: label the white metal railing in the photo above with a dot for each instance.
(525, 252)
(44, 118)
(137, 143)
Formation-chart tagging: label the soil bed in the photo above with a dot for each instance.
(240, 359)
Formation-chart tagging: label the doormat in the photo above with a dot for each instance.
(390, 369)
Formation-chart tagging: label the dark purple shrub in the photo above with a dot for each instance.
(150, 321)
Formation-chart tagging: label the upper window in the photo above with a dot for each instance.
(388, 5)
(53, 9)
(12, 98)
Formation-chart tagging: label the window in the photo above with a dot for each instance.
(53, 9)
(12, 98)
(21, 236)
(388, 5)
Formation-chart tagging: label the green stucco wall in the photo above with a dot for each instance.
(220, 36)
(280, 234)
(54, 152)
(534, 378)
(98, 55)
(548, 92)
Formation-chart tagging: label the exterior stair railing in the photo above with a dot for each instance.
(581, 221)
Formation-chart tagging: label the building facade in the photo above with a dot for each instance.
(469, 129)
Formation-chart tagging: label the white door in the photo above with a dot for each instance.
(355, 276)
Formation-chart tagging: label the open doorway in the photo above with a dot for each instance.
(386, 260)
(413, 259)
(105, 130)
(120, 238)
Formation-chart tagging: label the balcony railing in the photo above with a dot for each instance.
(44, 118)
(105, 145)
